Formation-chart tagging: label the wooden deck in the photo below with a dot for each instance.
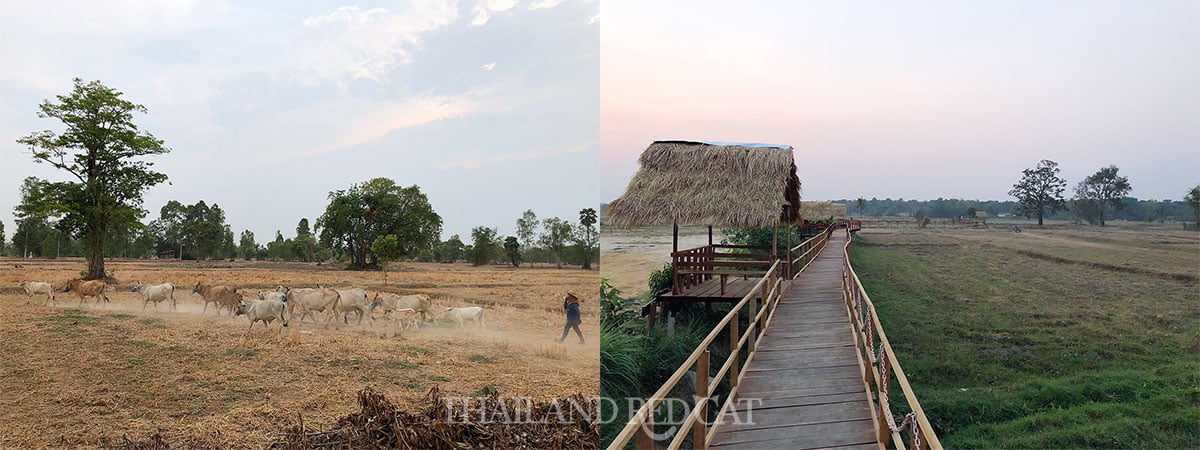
(804, 388)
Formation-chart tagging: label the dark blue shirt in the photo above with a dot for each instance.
(572, 312)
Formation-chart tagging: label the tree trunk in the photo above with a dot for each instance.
(95, 258)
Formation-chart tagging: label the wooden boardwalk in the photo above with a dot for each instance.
(804, 388)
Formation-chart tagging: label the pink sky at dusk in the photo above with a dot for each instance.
(924, 100)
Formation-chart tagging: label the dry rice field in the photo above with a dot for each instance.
(91, 376)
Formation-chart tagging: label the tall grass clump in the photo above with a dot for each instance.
(634, 362)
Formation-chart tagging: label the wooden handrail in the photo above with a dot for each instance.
(770, 288)
(867, 327)
(641, 422)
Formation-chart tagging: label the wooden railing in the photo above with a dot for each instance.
(770, 288)
(807, 251)
(881, 366)
(697, 265)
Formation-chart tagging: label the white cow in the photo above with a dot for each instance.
(265, 310)
(351, 300)
(405, 317)
(156, 293)
(418, 302)
(309, 301)
(38, 287)
(459, 315)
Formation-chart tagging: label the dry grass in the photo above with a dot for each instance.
(95, 374)
(1161, 252)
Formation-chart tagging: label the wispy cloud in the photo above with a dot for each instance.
(489, 66)
(542, 4)
(476, 159)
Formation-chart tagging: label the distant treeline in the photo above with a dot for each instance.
(1135, 209)
(200, 232)
(949, 208)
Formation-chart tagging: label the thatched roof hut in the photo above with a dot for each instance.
(815, 211)
(710, 183)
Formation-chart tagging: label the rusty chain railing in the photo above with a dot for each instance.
(880, 365)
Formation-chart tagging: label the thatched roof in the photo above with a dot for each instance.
(721, 184)
(814, 211)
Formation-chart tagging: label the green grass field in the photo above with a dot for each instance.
(1008, 350)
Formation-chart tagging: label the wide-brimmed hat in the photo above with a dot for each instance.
(571, 295)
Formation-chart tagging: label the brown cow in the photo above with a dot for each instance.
(221, 295)
(92, 288)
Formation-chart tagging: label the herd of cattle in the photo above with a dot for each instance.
(283, 303)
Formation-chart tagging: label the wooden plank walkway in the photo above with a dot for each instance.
(804, 388)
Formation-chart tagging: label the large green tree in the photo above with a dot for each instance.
(247, 248)
(452, 249)
(1106, 188)
(556, 233)
(485, 242)
(355, 217)
(1192, 198)
(101, 149)
(527, 228)
(1040, 191)
(196, 231)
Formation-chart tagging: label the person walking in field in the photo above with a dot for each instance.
(571, 305)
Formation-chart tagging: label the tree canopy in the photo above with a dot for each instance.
(100, 148)
(355, 217)
(1039, 191)
(1104, 189)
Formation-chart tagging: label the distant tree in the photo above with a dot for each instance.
(199, 229)
(2, 241)
(100, 148)
(555, 235)
(586, 237)
(1106, 188)
(453, 249)
(484, 243)
(1192, 198)
(304, 246)
(1040, 191)
(512, 250)
(386, 249)
(527, 228)
(971, 211)
(357, 216)
(277, 249)
(247, 248)
(861, 203)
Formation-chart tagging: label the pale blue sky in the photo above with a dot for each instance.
(917, 100)
(490, 106)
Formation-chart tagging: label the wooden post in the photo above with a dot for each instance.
(674, 237)
(750, 328)
(700, 428)
(775, 243)
(733, 342)
(788, 237)
(644, 440)
(650, 318)
(766, 292)
(710, 235)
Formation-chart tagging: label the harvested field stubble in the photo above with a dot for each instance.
(98, 375)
